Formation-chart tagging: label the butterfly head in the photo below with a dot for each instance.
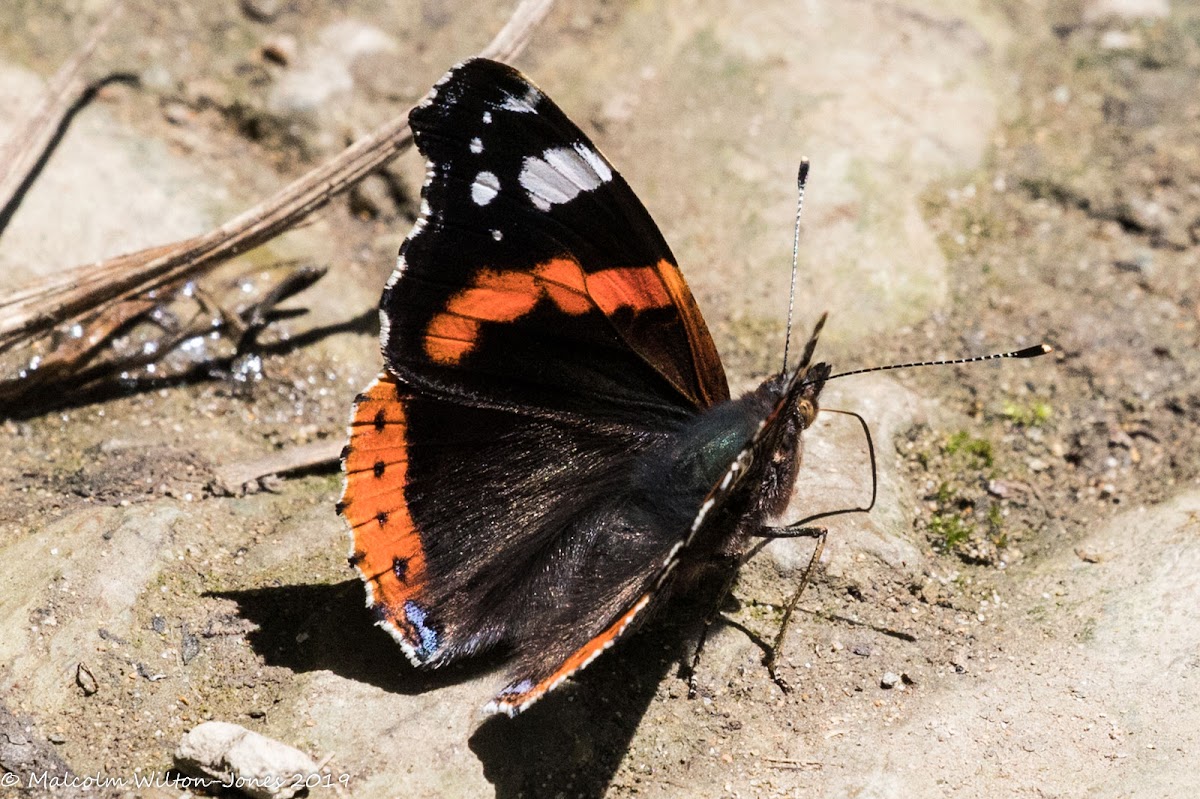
(807, 381)
(806, 393)
(779, 445)
(795, 399)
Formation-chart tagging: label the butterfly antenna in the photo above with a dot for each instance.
(811, 346)
(801, 180)
(1028, 352)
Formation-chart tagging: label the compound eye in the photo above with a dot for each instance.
(807, 412)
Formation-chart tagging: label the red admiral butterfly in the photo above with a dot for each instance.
(552, 449)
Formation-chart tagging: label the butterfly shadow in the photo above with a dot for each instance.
(570, 743)
(325, 627)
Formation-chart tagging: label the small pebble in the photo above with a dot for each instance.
(999, 488)
(226, 752)
(86, 680)
(261, 10)
(1089, 555)
(281, 49)
(189, 646)
(889, 680)
(178, 113)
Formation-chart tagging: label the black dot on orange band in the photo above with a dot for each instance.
(400, 568)
(381, 517)
(380, 466)
(356, 558)
(380, 419)
(340, 508)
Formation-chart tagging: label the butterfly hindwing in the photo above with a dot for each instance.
(471, 524)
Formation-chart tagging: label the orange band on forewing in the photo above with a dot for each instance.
(564, 271)
(449, 338)
(376, 465)
(640, 288)
(496, 296)
(562, 282)
(507, 296)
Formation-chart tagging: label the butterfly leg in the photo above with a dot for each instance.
(819, 533)
(709, 620)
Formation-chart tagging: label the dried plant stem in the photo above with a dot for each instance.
(22, 152)
(73, 293)
(231, 478)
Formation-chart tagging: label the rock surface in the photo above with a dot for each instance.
(982, 176)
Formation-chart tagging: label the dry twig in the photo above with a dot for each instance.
(20, 156)
(82, 293)
(232, 478)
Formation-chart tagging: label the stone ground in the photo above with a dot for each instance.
(985, 175)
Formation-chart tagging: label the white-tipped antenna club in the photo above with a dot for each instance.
(1028, 352)
(801, 180)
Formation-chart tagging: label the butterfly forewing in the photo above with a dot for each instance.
(535, 277)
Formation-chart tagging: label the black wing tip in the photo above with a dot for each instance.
(450, 88)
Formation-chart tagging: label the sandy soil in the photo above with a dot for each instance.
(986, 175)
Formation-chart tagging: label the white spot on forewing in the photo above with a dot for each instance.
(497, 235)
(487, 117)
(561, 174)
(595, 161)
(523, 105)
(485, 188)
(476, 145)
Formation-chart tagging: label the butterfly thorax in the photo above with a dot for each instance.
(762, 431)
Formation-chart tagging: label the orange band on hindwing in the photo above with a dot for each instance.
(386, 547)
(519, 696)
